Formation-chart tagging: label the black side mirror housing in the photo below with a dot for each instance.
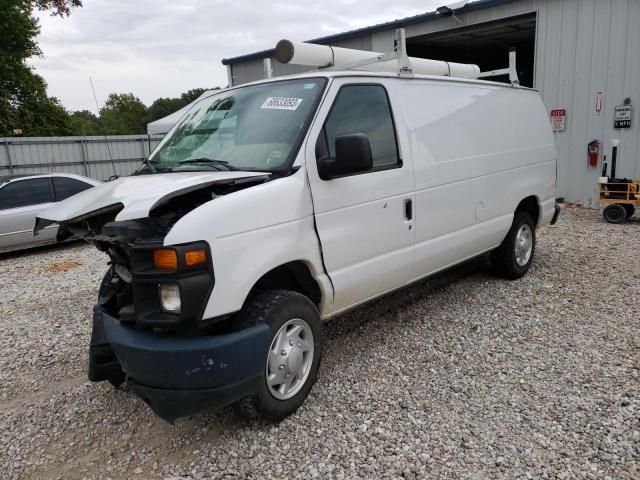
(353, 155)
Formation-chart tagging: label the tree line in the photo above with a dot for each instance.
(25, 107)
(125, 114)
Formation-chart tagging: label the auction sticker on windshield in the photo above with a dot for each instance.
(282, 103)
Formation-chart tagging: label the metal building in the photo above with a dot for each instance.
(582, 55)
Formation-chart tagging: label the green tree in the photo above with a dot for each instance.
(62, 8)
(85, 123)
(23, 100)
(39, 115)
(191, 95)
(166, 106)
(123, 114)
(163, 107)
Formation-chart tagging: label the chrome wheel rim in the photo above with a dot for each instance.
(289, 359)
(524, 245)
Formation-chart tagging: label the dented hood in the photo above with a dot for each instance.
(137, 195)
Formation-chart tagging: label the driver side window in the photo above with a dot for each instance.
(362, 109)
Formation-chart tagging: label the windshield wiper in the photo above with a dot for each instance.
(151, 168)
(150, 165)
(210, 161)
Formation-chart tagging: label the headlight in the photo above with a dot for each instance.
(170, 297)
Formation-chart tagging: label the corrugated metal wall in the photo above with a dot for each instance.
(88, 156)
(585, 47)
(582, 47)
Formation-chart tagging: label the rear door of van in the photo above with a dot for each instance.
(364, 221)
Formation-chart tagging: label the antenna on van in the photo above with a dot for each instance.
(106, 141)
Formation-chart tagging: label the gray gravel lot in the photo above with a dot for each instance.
(462, 376)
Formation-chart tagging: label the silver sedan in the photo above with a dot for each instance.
(22, 197)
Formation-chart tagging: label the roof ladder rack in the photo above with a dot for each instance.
(326, 57)
(399, 53)
(511, 70)
(268, 71)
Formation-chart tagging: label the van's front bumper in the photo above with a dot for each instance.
(179, 376)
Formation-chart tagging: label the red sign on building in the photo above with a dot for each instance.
(558, 120)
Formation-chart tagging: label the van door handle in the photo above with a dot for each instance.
(408, 209)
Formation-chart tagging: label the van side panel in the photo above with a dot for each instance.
(478, 150)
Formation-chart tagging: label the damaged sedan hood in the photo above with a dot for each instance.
(136, 196)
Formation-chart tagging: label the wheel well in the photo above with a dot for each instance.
(294, 276)
(530, 205)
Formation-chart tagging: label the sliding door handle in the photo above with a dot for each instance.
(408, 209)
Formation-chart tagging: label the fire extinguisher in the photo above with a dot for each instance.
(593, 150)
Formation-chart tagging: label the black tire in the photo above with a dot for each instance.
(105, 284)
(504, 257)
(630, 210)
(614, 213)
(276, 307)
(116, 377)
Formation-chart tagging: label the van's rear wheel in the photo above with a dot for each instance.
(630, 210)
(292, 362)
(513, 258)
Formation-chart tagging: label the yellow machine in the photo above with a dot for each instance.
(620, 196)
(620, 199)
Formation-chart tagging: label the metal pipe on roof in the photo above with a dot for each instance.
(320, 56)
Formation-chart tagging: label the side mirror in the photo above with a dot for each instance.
(353, 155)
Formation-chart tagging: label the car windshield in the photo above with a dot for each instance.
(253, 128)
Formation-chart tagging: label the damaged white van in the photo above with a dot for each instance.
(276, 205)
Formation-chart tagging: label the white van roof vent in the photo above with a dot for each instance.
(335, 58)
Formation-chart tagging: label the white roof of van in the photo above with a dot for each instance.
(163, 125)
(368, 74)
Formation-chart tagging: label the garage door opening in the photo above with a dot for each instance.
(485, 44)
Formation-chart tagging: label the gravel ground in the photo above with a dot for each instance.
(462, 376)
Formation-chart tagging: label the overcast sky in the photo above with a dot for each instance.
(161, 48)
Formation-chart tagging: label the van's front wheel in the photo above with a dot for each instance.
(292, 362)
(513, 258)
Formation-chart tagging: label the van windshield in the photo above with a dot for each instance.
(253, 128)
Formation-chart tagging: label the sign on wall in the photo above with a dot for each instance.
(559, 120)
(622, 117)
(599, 99)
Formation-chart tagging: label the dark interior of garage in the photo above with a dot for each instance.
(486, 45)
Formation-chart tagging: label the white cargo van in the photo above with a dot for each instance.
(274, 206)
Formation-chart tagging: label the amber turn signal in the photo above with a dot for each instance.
(165, 259)
(195, 257)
